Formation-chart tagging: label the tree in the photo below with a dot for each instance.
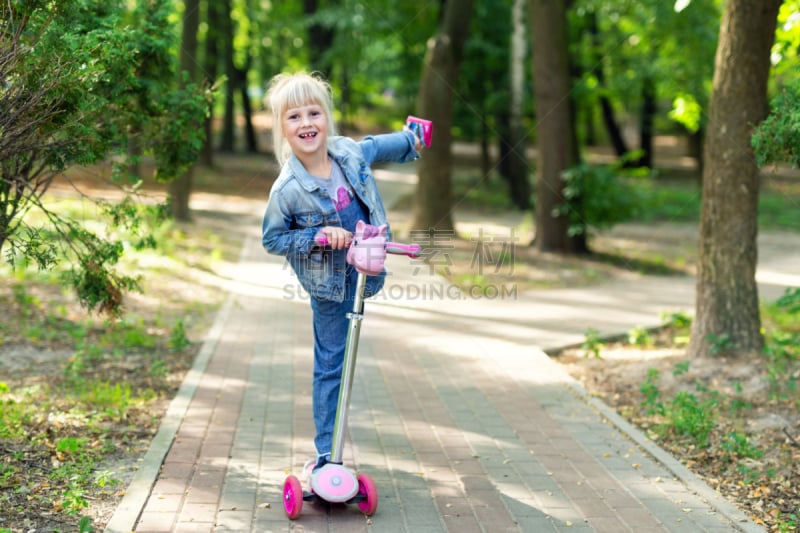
(180, 189)
(70, 95)
(320, 39)
(482, 113)
(727, 315)
(234, 29)
(517, 168)
(435, 102)
(555, 125)
(627, 63)
(227, 36)
(210, 70)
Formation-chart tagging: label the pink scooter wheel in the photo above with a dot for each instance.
(292, 497)
(367, 488)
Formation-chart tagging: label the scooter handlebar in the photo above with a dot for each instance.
(410, 250)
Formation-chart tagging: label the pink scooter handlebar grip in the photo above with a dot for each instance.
(411, 250)
(422, 128)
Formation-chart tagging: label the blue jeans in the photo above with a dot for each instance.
(330, 337)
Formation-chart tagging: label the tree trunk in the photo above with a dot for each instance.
(251, 142)
(646, 126)
(606, 108)
(210, 69)
(727, 315)
(517, 166)
(180, 189)
(486, 155)
(227, 142)
(433, 202)
(320, 40)
(694, 147)
(511, 165)
(555, 135)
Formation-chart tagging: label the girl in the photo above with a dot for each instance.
(324, 188)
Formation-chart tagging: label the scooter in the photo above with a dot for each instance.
(334, 482)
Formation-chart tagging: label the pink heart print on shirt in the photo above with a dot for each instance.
(342, 198)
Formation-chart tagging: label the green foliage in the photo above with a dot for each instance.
(87, 81)
(71, 445)
(488, 197)
(64, 424)
(114, 399)
(681, 323)
(673, 201)
(788, 522)
(786, 48)
(691, 418)
(85, 525)
(598, 197)
(777, 139)
(685, 415)
(592, 342)
(680, 368)
(484, 74)
(73, 499)
(737, 445)
(687, 112)
(649, 388)
(15, 414)
(782, 344)
(719, 343)
(178, 341)
(790, 301)
(630, 46)
(640, 336)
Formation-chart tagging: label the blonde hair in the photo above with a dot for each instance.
(287, 91)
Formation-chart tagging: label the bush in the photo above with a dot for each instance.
(598, 197)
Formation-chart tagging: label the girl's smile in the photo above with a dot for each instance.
(306, 129)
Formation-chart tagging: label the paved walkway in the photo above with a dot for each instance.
(459, 416)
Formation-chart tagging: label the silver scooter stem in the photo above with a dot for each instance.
(348, 370)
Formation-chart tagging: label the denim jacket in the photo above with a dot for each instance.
(298, 208)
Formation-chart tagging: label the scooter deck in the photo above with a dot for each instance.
(312, 497)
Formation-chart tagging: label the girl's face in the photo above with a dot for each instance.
(306, 130)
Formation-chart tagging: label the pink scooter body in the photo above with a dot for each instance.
(334, 482)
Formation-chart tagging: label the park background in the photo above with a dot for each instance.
(131, 131)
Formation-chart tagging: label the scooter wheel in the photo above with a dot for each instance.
(292, 497)
(366, 487)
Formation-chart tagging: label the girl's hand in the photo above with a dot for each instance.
(418, 144)
(338, 238)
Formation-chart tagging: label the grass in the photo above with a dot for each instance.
(667, 199)
(82, 389)
(673, 201)
(61, 422)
